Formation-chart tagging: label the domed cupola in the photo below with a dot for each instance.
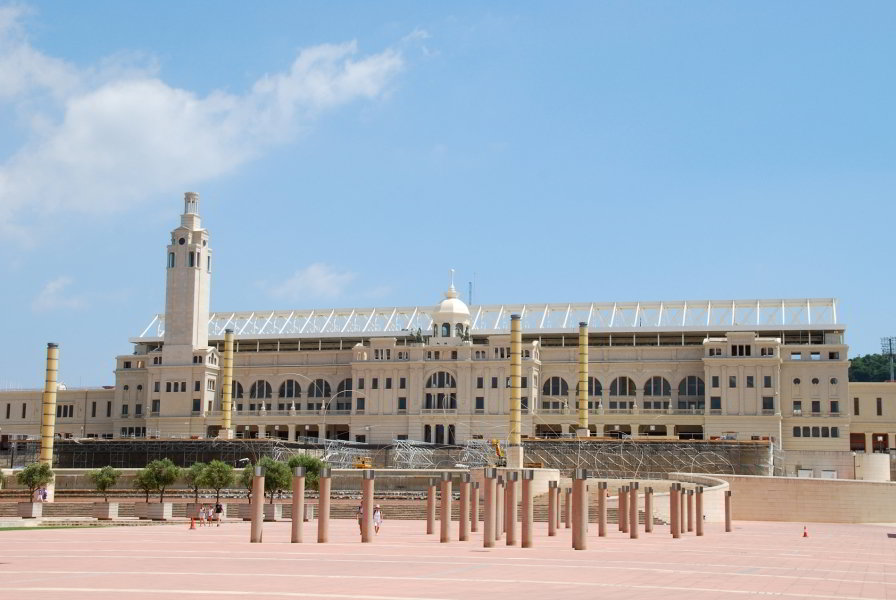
(450, 319)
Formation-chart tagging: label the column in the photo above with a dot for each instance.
(557, 505)
(527, 509)
(323, 506)
(510, 509)
(257, 511)
(690, 511)
(291, 433)
(488, 527)
(869, 444)
(602, 509)
(568, 513)
(622, 510)
(728, 511)
(474, 504)
(499, 507)
(674, 512)
(431, 506)
(633, 510)
(552, 508)
(648, 510)
(445, 514)
(464, 520)
(699, 503)
(580, 509)
(367, 505)
(298, 503)
(682, 507)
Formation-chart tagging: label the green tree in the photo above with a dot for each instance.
(245, 479)
(218, 475)
(103, 479)
(871, 367)
(277, 476)
(34, 476)
(145, 482)
(312, 465)
(164, 474)
(194, 477)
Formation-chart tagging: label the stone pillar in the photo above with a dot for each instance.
(648, 510)
(445, 514)
(582, 387)
(257, 511)
(463, 529)
(527, 508)
(699, 503)
(728, 511)
(474, 506)
(674, 512)
(869, 443)
(622, 510)
(580, 509)
(633, 510)
(682, 505)
(568, 504)
(514, 441)
(499, 508)
(367, 505)
(227, 386)
(431, 506)
(557, 504)
(602, 509)
(323, 506)
(298, 503)
(48, 406)
(510, 508)
(690, 511)
(552, 508)
(488, 526)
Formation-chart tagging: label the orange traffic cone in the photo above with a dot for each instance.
(192, 523)
(805, 531)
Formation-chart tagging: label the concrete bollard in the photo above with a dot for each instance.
(648, 510)
(527, 508)
(474, 506)
(690, 511)
(557, 504)
(633, 510)
(298, 503)
(431, 506)
(728, 511)
(552, 508)
(445, 514)
(674, 512)
(463, 526)
(323, 506)
(683, 507)
(510, 508)
(602, 509)
(367, 505)
(499, 508)
(488, 527)
(568, 512)
(699, 503)
(580, 509)
(623, 509)
(255, 533)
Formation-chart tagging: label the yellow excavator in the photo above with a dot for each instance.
(364, 462)
(499, 452)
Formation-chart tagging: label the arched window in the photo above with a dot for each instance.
(622, 386)
(260, 389)
(171, 260)
(594, 387)
(319, 388)
(290, 389)
(446, 330)
(451, 434)
(657, 386)
(427, 434)
(440, 434)
(441, 379)
(555, 386)
(691, 386)
(192, 262)
(236, 390)
(344, 389)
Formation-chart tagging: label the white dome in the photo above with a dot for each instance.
(452, 309)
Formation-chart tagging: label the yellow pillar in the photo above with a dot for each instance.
(227, 386)
(582, 430)
(48, 405)
(515, 448)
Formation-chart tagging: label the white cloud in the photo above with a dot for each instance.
(109, 137)
(317, 281)
(55, 296)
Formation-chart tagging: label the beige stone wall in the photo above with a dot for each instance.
(811, 500)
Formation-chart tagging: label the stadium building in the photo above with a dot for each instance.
(774, 370)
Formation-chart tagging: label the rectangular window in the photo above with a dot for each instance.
(155, 386)
(196, 386)
(177, 386)
(109, 409)
(375, 383)
(796, 356)
(359, 406)
(833, 356)
(494, 383)
(524, 382)
(880, 408)
(715, 381)
(480, 403)
(183, 386)
(197, 405)
(767, 381)
(480, 382)
(806, 432)
(454, 355)
(732, 381)
(835, 407)
(138, 410)
(815, 355)
(825, 432)
(797, 407)
(155, 406)
(9, 407)
(124, 410)
(58, 411)
(402, 404)
(127, 364)
(388, 383)
(402, 436)
(835, 432)
(92, 410)
(210, 385)
(855, 406)
(402, 383)
(167, 386)
(816, 432)
(749, 381)
(360, 383)
(768, 403)
(361, 439)
(715, 403)
(796, 432)
(816, 406)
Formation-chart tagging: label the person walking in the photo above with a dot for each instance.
(377, 518)
(360, 517)
(219, 510)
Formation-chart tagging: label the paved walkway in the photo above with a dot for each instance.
(757, 559)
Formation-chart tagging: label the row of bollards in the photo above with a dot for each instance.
(501, 506)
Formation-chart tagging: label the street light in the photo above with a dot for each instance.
(887, 347)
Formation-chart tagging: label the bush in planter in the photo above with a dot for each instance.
(194, 476)
(218, 475)
(34, 476)
(145, 482)
(103, 479)
(312, 466)
(164, 473)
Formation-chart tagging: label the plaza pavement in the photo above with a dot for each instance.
(756, 560)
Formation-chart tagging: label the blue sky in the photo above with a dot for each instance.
(352, 153)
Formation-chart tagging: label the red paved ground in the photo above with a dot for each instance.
(135, 563)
